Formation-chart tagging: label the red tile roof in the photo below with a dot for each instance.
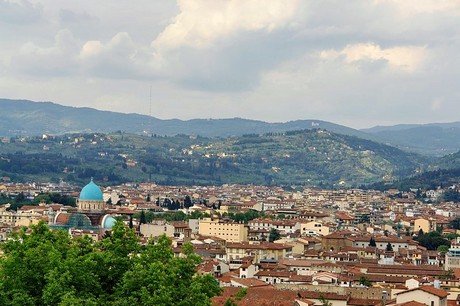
(429, 289)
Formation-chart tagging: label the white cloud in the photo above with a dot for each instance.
(119, 57)
(356, 62)
(413, 7)
(405, 58)
(202, 22)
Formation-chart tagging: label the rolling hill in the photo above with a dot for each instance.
(28, 118)
(437, 139)
(312, 157)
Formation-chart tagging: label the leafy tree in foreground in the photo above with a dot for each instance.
(45, 267)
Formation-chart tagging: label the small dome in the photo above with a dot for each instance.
(91, 192)
(108, 222)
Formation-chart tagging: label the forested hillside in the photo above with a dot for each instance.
(314, 157)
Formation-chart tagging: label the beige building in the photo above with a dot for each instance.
(156, 229)
(260, 251)
(20, 219)
(381, 242)
(26, 215)
(422, 224)
(314, 228)
(230, 231)
(428, 295)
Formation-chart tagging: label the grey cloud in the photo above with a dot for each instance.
(56, 60)
(269, 73)
(21, 13)
(234, 65)
(69, 16)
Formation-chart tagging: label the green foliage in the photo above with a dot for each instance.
(443, 248)
(142, 218)
(389, 248)
(49, 268)
(241, 294)
(187, 202)
(451, 236)
(451, 196)
(230, 302)
(324, 301)
(246, 216)
(268, 159)
(54, 198)
(449, 274)
(455, 224)
(274, 235)
(372, 242)
(431, 240)
(426, 180)
(363, 280)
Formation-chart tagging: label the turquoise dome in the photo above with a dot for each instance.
(91, 192)
(108, 222)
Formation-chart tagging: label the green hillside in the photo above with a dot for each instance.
(451, 161)
(313, 157)
(436, 139)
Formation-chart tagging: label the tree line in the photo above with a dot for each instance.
(45, 267)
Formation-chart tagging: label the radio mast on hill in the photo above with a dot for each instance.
(148, 124)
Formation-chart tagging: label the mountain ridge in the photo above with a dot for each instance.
(20, 118)
(53, 118)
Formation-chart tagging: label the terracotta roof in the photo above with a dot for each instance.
(364, 302)
(250, 282)
(412, 303)
(429, 289)
(258, 296)
(272, 273)
(301, 262)
(421, 271)
(62, 218)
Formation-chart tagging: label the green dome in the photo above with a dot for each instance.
(91, 192)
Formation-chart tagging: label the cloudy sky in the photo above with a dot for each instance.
(359, 63)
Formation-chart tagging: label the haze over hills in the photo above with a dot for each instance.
(436, 139)
(28, 118)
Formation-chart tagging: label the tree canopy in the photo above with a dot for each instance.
(432, 240)
(45, 267)
(274, 235)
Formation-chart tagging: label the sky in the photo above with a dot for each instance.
(359, 63)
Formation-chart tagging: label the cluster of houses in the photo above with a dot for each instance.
(310, 247)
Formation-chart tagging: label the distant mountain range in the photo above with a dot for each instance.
(28, 118)
(436, 139)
